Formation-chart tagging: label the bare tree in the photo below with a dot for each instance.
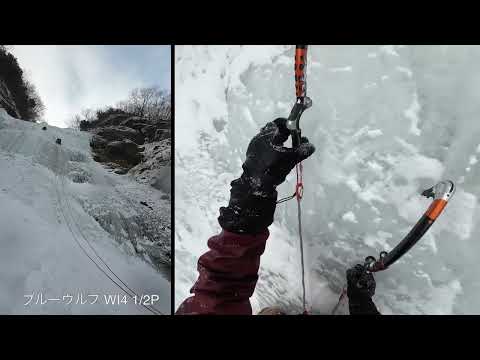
(8, 48)
(36, 108)
(74, 122)
(88, 115)
(151, 103)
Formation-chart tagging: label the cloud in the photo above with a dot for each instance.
(71, 78)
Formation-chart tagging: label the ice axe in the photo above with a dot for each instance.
(441, 193)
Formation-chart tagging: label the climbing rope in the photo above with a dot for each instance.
(299, 194)
(293, 124)
(125, 288)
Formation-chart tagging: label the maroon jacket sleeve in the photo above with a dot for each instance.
(228, 274)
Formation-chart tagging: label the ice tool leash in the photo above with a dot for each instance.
(302, 103)
(441, 193)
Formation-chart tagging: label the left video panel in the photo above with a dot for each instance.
(85, 170)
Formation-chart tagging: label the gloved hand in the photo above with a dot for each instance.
(360, 289)
(253, 196)
(360, 283)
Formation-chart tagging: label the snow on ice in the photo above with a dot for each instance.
(349, 216)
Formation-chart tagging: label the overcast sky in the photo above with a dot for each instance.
(71, 78)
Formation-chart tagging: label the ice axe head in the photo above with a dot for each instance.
(293, 121)
(444, 190)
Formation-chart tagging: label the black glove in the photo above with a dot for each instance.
(360, 282)
(253, 196)
(360, 289)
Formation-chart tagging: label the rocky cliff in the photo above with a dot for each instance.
(18, 96)
(134, 145)
(7, 102)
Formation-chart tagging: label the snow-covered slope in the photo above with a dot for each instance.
(388, 121)
(67, 224)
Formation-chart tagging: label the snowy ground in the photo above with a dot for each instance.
(55, 257)
(388, 122)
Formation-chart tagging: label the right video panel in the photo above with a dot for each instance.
(326, 179)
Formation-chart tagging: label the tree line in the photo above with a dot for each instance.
(152, 104)
(27, 101)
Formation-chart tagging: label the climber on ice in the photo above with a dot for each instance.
(228, 272)
(59, 141)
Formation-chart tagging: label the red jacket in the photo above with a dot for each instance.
(228, 274)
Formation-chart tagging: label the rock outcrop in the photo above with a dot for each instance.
(155, 167)
(117, 133)
(124, 150)
(7, 102)
(135, 145)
